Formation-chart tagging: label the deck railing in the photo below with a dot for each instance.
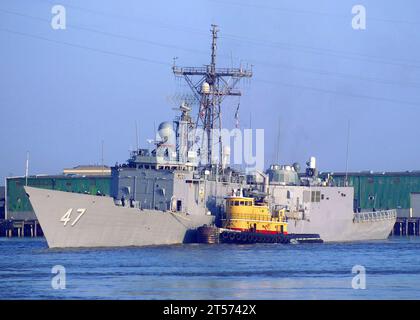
(375, 216)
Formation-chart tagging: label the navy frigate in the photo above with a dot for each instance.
(161, 196)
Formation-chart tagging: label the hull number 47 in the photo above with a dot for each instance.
(67, 216)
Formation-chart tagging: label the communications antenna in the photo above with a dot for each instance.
(210, 85)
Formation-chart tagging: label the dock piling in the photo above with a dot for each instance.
(407, 227)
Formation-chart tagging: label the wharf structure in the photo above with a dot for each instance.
(2, 202)
(89, 170)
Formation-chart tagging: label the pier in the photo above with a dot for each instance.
(406, 227)
(20, 228)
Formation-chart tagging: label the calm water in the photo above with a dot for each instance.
(265, 271)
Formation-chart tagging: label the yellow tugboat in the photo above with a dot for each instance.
(249, 220)
(245, 214)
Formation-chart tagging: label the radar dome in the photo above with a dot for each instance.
(165, 130)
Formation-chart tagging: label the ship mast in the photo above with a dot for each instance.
(210, 85)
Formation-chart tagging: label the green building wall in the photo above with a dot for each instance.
(381, 191)
(18, 201)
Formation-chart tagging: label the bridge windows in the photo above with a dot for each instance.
(315, 196)
(240, 203)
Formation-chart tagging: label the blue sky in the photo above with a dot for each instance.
(64, 91)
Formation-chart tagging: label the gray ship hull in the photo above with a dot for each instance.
(331, 215)
(103, 224)
(345, 230)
